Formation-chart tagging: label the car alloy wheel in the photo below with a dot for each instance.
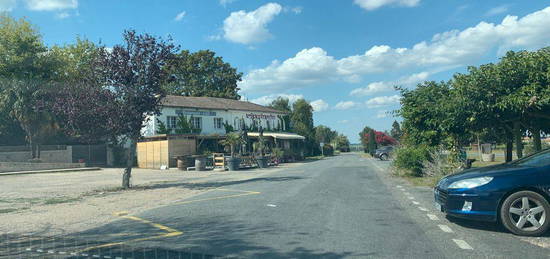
(525, 213)
(384, 157)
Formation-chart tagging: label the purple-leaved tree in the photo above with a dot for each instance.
(133, 72)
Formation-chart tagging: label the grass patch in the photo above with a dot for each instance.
(2, 211)
(61, 200)
(426, 181)
(478, 164)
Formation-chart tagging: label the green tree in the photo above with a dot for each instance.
(202, 74)
(23, 55)
(302, 123)
(283, 104)
(76, 62)
(324, 134)
(396, 132)
(341, 143)
(27, 100)
(372, 142)
(162, 129)
(363, 136)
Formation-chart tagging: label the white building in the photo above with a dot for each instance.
(209, 114)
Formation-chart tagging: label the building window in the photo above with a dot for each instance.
(218, 123)
(171, 122)
(196, 122)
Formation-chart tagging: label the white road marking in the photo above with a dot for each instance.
(422, 209)
(462, 244)
(415, 202)
(399, 186)
(51, 252)
(28, 249)
(406, 193)
(411, 198)
(445, 228)
(39, 250)
(432, 216)
(271, 205)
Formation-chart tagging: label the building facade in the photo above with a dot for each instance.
(210, 115)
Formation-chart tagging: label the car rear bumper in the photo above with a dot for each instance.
(466, 205)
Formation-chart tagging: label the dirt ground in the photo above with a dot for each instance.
(62, 203)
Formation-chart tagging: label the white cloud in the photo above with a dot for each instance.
(226, 2)
(62, 15)
(382, 114)
(247, 28)
(7, 5)
(180, 16)
(382, 101)
(308, 67)
(51, 5)
(319, 105)
(386, 86)
(266, 100)
(346, 105)
(295, 9)
(370, 5)
(447, 49)
(497, 10)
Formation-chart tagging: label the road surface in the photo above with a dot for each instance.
(340, 207)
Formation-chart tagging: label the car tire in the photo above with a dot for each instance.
(384, 157)
(525, 213)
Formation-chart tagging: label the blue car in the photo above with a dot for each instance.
(516, 194)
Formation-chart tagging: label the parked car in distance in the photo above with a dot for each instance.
(384, 153)
(516, 194)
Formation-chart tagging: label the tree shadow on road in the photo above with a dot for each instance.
(214, 184)
(206, 237)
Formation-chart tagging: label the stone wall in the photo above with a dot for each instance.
(19, 166)
(46, 156)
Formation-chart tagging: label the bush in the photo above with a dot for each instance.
(328, 150)
(411, 159)
(440, 163)
(530, 149)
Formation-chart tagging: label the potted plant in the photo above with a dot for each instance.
(259, 148)
(278, 154)
(232, 140)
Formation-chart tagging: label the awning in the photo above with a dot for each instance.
(277, 135)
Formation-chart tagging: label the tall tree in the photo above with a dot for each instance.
(396, 132)
(134, 71)
(202, 74)
(76, 62)
(283, 104)
(302, 124)
(324, 134)
(372, 142)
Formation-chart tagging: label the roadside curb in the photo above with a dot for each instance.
(49, 171)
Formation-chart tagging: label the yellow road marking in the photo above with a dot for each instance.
(170, 231)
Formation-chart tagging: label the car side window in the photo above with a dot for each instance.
(542, 159)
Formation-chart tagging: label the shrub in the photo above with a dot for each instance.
(530, 148)
(440, 163)
(411, 158)
(328, 150)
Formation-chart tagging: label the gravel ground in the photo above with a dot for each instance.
(61, 203)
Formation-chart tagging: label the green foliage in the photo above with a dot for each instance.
(202, 74)
(396, 131)
(232, 140)
(411, 158)
(364, 140)
(372, 143)
(341, 143)
(277, 153)
(22, 52)
(161, 128)
(184, 125)
(77, 61)
(228, 127)
(328, 150)
(324, 134)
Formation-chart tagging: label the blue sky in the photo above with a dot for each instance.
(344, 56)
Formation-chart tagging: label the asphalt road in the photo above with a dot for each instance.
(340, 207)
